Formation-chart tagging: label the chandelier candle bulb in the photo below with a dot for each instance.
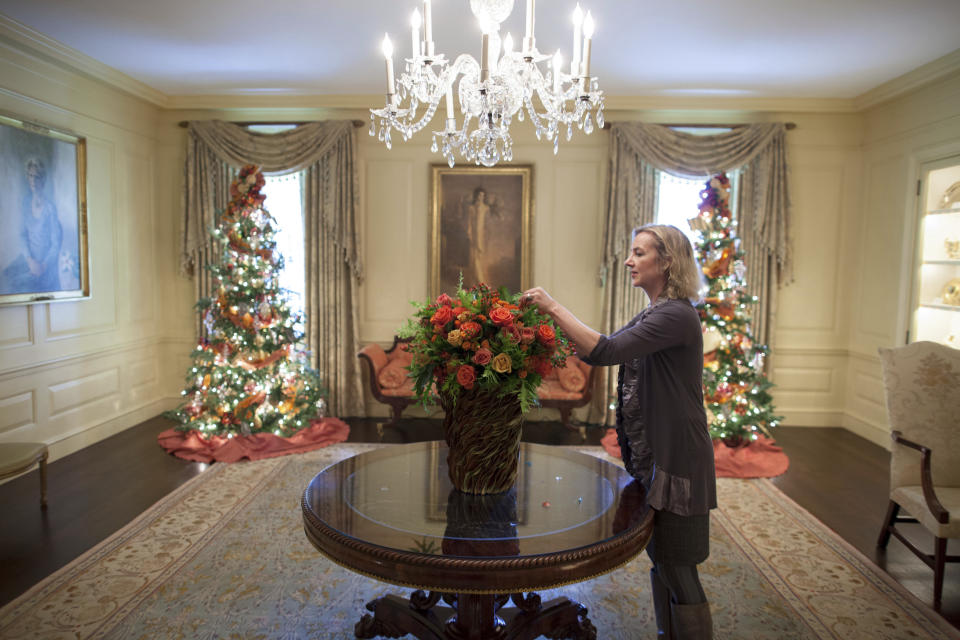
(450, 115)
(415, 21)
(387, 47)
(557, 64)
(484, 57)
(587, 38)
(428, 28)
(577, 36)
(529, 33)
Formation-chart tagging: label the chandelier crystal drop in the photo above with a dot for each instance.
(490, 92)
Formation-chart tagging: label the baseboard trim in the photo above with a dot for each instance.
(878, 434)
(84, 437)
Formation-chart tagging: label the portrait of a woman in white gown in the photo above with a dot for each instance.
(482, 227)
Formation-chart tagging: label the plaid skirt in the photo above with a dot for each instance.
(679, 539)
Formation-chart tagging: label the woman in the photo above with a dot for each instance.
(661, 422)
(36, 269)
(477, 213)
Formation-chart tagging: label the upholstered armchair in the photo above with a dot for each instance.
(922, 388)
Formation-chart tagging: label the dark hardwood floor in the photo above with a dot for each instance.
(837, 476)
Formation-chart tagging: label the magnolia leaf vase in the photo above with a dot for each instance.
(483, 436)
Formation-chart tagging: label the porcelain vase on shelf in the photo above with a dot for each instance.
(483, 436)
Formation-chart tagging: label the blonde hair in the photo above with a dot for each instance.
(683, 274)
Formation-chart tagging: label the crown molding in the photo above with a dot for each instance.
(44, 47)
(621, 104)
(274, 101)
(718, 104)
(910, 81)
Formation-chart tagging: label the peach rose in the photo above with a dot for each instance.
(528, 335)
(546, 335)
(455, 337)
(501, 317)
(501, 363)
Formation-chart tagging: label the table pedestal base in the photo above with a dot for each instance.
(475, 617)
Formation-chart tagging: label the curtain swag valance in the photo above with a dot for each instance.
(216, 148)
(693, 156)
(759, 150)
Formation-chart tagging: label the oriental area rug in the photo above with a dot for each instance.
(225, 555)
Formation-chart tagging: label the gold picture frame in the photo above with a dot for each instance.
(481, 221)
(43, 250)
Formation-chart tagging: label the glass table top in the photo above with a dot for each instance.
(400, 497)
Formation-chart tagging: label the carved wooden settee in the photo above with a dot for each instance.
(389, 380)
(568, 388)
(564, 389)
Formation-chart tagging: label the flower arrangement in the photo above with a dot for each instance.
(482, 340)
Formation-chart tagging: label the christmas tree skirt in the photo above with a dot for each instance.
(225, 556)
(190, 445)
(759, 459)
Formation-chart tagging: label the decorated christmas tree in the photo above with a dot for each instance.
(250, 373)
(736, 391)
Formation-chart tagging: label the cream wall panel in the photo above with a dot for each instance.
(808, 312)
(135, 249)
(882, 237)
(865, 410)
(15, 327)
(17, 410)
(79, 392)
(391, 259)
(797, 380)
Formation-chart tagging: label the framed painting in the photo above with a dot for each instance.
(43, 210)
(481, 221)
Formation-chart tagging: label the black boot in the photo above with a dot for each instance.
(692, 621)
(661, 605)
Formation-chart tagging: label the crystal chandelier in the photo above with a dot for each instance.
(503, 84)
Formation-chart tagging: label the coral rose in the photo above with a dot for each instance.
(482, 356)
(442, 317)
(501, 317)
(466, 376)
(546, 335)
(501, 363)
(443, 300)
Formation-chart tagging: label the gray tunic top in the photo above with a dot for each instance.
(660, 405)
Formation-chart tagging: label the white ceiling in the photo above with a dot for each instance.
(734, 48)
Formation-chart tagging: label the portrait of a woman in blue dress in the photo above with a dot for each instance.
(37, 268)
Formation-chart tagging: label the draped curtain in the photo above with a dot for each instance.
(215, 150)
(637, 151)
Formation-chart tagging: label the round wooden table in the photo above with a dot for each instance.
(392, 514)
